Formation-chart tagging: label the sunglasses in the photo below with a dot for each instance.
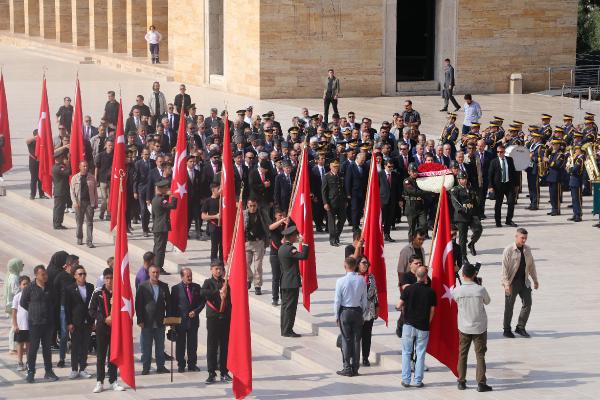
(82, 274)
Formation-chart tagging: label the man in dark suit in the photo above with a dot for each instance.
(283, 187)
(134, 122)
(152, 305)
(60, 179)
(172, 118)
(186, 303)
(317, 177)
(290, 278)
(482, 161)
(503, 182)
(449, 86)
(76, 298)
(355, 183)
(182, 99)
(240, 172)
(143, 191)
(213, 118)
(89, 130)
(261, 187)
(193, 194)
(162, 204)
(390, 190)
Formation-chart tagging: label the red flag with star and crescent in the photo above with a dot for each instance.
(121, 340)
(118, 165)
(373, 237)
(4, 129)
(76, 143)
(178, 235)
(44, 147)
(301, 214)
(227, 192)
(443, 331)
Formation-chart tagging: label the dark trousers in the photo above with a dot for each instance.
(351, 325)
(37, 334)
(154, 336)
(463, 233)
(80, 343)
(276, 274)
(533, 185)
(217, 339)
(102, 353)
(366, 334)
(388, 215)
(154, 48)
(416, 220)
(289, 304)
(358, 204)
(35, 184)
(335, 222)
(160, 246)
(481, 198)
(504, 190)
(194, 214)
(448, 96)
(326, 102)
(480, 343)
(216, 242)
(466, 129)
(521, 290)
(576, 200)
(58, 212)
(144, 213)
(187, 340)
(555, 189)
(318, 214)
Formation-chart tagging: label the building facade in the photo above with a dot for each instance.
(282, 48)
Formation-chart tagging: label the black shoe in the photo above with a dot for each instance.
(443, 110)
(319, 229)
(334, 243)
(420, 385)
(146, 234)
(366, 362)
(163, 272)
(522, 332)
(162, 370)
(457, 109)
(510, 223)
(168, 357)
(292, 334)
(482, 387)
(498, 225)
(406, 385)
(596, 225)
(389, 238)
(344, 372)
(462, 385)
(91, 245)
(483, 216)
(60, 227)
(145, 372)
(572, 218)
(80, 241)
(193, 368)
(50, 376)
(472, 250)
(257, 291)
(275, 303)
(211, 379)
(181, 369)
(528, 207)
(44, 197)
(60, 364)
(249, 284)
(30, 377)
(355, 372)
(577, 219)
(552, 213)
(533, 208)
(101, 217)
(337, 241)
(508, 334)
(226, 378)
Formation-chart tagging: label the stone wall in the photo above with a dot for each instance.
(186, 40)
(498, 37)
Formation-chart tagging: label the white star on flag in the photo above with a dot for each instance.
(302, 204)
(181, 190)
(127, 306)
(448, 294)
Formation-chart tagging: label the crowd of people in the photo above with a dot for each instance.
(265, 161)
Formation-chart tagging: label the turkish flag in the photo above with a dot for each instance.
(121, 339)
(44, 147)
(301, 213)
(4, 129)
(178, 235)
(119, 169)
(373, 237)
(227, 192)
(239, 353)
(76, 145)
(443, 331)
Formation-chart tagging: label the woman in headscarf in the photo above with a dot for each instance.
(11, 286)
(56, 264)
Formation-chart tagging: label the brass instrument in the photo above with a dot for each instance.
(569, 164)
(544, 152)
(590, 161)
(443, 134)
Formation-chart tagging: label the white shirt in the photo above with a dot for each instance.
(503, 170)
(82, 292)
(472, 113)
(153, 37)
(21, 312)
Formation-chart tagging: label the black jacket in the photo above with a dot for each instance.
(61, 281)
(76, 309)
(290, 271)
(283, 191)
(39, 303)
(60, 179)
(210, 292)
(142, 178)
(98, 308)
(181, 306)
(161, 213)
(389, 194)
(149, 311)
(356, 181)
(263, 194)
(495, 173)
(239, 179)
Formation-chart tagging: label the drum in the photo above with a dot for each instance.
(520, 156)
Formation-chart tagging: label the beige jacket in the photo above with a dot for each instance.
(511, 257)
(76, 189)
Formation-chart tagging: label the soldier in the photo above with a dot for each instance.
(60, 179)
(575, 182)
(162, 204)
(533, 181)
(589, 132)
(290, 278)
(414, 204)
(334, 202)
(556, 164)
(546, 128)
(450, 133)
(568, 128)
(464, 202)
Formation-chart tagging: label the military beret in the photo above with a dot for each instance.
(520, 123)
(590, 115)
(461, 175)
(556, 141)
(315, 116)
(588, 120)
(536, 134)
(577, 134)
(162, 183)
(533, 128)
(290, 230)
(452, 114)
(413, 166)
(192, 106)
(266, 116)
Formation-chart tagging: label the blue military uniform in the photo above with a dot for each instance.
(536, 150)
(556, 163)
(575, 182)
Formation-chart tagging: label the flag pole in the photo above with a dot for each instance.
(221, 180)
(293, 196)
(230, 255)
(365, 208)
(437, 217)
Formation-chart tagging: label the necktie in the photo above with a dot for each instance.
(322, 175)
(389, 179)
(405, 162)
(137, 123)
(189, 293)
(504, 174)
(262, 178)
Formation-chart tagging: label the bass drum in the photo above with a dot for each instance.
(520, 156)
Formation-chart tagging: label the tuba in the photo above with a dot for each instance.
(544, 152)
(590, 161)
(569, 164)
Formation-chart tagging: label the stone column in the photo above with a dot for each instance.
(158, 15)
(17, 16)
(4, 16)
(47, 19)
(62, 9)
(98, 25)
(31, 10)
(117, 29)
(136, 28)
(80, 22)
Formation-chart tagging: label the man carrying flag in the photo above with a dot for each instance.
(76, 144)
(179, 189)
(228, 205)
(5, 148)
(117, 166)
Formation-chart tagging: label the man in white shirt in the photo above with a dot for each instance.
(472, 111)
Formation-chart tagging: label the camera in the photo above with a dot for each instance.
(476, 278)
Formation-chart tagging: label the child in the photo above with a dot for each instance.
(19, 323)
(11, 286)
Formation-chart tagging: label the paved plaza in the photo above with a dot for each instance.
(560, 361)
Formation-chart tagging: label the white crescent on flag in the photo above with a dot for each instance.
(447, 251)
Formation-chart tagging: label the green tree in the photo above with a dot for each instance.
(588, 26)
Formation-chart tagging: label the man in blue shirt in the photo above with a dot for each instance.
(349, 306)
